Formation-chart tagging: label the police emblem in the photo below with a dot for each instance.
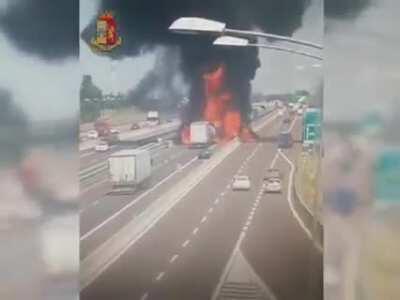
(107, 37)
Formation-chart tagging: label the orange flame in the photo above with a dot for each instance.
(219, 110)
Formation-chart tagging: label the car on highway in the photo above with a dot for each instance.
(241, 182)
(273, 173)
(286, 120)
(135, 126)
(114, 131)
(206, 154)
(102, 146)
(285, 140)
(92, 134)
(273, 181)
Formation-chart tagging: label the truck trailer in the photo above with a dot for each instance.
(129, 170)
(201, 134)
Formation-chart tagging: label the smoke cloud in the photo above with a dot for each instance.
(47, 28)
(344, 9)
(144, 24)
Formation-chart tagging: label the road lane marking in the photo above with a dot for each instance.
(92, 186)
(145, 296)
(203, 219)
(135, 200)
(92, 263)
(292, 125)
(185, 243)
(160, 276)
(237, 246)
(173, 258)
(274, 160)
(195, 230)
(289, 196)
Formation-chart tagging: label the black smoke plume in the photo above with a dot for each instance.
(159, 89)
(48, 29)
(144, 24)
(344, 9)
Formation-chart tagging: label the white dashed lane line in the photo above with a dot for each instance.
(173, 258)
(204, 219)
(160, 276)
(187, 242)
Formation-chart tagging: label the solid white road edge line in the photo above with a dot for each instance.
(289, 196)
(135, 200)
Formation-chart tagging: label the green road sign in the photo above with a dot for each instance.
(387, 176)
(312, 125)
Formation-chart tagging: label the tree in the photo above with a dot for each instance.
(90, 99)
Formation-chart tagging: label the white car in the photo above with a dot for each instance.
(92, 134)
(273, 185)
(241, 182)
(102, 146)
(273, 181)
(300, 111)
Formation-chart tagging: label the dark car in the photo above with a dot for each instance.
(206, 154)
(135, 126)
(273, 173)
(285, 140)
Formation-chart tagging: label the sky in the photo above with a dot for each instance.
(362, 62)
(278, 72)
(47, 89)
(272, 76)
(360, 67)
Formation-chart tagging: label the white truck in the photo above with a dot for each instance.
(129, 169)
(153, 118)
(201, 134)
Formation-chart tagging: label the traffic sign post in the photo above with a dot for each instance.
(312, 125)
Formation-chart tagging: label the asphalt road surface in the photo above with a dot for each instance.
(184, 256)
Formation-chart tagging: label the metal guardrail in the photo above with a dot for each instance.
(101, 167)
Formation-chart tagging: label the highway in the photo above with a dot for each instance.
(195, 249)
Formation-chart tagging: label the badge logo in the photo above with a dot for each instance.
(107, 37)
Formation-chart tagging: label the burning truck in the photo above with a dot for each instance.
(219, 110)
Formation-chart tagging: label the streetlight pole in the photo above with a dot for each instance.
(242, 42)
(248, 33)
(287, 50)
(193, 25)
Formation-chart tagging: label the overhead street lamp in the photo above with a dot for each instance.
(193, 25)
(241, 42)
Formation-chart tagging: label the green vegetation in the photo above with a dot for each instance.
(306, 183)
